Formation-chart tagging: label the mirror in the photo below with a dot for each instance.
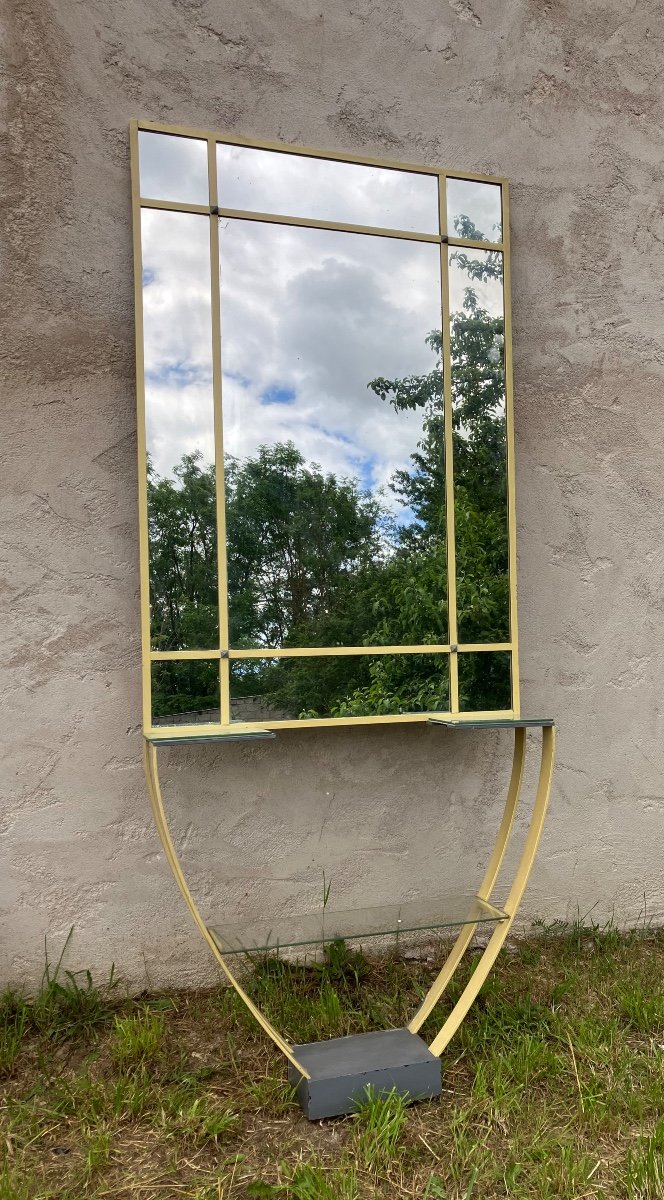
(293, 185)
(332, 403)
(173, 168)
(185, 693)
(296, 379)
(348, 685)
(485, 681)
(477, 349)
(474, 210)
(179, 420)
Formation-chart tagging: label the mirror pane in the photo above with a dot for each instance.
(294, 185)
(185, 693)
(477, 330)
(474, 210)
(485, 682)
(173, 168)
(333, 438)
(179, 416)
(349, 685)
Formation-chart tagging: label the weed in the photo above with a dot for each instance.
(15, 1184)
(311, 1182)
(137, 1038)
(98, 1153)
(642, 1005)
(14, 1021)
(200, 1118)
(380, 1121)
(69, 1004)
(644, 1167)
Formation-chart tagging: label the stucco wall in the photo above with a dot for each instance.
(565, 99)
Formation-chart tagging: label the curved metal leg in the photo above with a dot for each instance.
(157, 803)
(491, 874)
(513, 900)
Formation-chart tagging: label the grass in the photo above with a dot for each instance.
(554, 1087)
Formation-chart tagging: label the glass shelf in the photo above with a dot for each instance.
(494, 723)
(314, 929)
(255, 735)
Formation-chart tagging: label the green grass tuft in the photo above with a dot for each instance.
(137, 1038)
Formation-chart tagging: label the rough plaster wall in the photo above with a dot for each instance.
(566, 99)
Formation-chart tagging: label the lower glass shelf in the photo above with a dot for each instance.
(315, 929)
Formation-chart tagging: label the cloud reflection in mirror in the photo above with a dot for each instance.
(310, 319)
(322, 189)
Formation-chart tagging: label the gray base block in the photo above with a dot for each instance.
(341, 1069)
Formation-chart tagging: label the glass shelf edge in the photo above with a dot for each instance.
(495, 723)
(255, 735)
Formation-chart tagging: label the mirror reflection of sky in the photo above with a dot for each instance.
(309, 318)
(322, 189)
(173, 168)
(177, 337)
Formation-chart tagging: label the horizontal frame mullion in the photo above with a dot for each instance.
(322, 651)
(473, 244)
(480, 647)
(240, 214)
(201, 210)
(331, 651)
(183, 655)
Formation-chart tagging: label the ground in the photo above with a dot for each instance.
(554, 1086)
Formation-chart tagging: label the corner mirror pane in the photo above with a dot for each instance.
(173, 168)
(474, 210)
(485, 681)
(185, 693)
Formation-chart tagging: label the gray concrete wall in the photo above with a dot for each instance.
(566, 99)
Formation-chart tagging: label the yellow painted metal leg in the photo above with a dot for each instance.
(157, 803)
(491, 874)
(513, 900)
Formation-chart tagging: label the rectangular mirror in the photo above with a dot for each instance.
(326, 452)
(481, 515)
(485, 682)
(350, 685)
(474, 210)
(173, 168)
(179, 428)
(333, 438)
(185, 693)
(295, 185)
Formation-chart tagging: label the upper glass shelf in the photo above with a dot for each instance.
(317, 928)
(494, 723)
(254, 735)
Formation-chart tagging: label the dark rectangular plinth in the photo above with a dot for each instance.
(342, 1068)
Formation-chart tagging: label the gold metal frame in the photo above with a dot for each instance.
(224, 654)
(465, 936)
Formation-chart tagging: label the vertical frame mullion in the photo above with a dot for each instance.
(509, 422)
(446, 362)
(222, 572)
(143, 530)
